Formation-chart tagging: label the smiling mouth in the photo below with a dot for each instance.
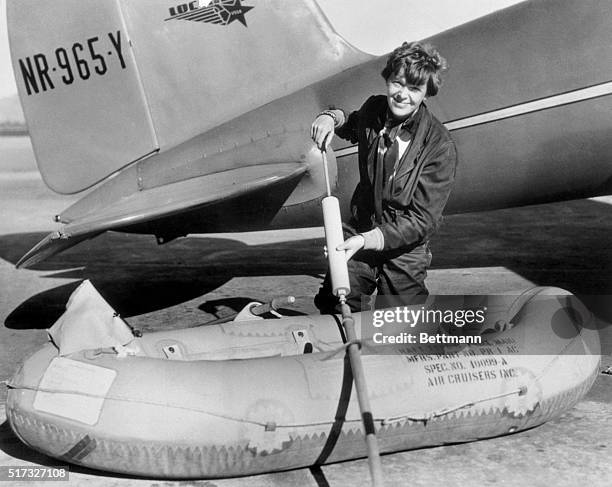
(400, 104)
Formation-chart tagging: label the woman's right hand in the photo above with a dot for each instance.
(322, 131)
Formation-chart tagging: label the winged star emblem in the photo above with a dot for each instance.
(221, 12)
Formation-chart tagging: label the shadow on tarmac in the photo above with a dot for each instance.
(137, 276)
(568, 245)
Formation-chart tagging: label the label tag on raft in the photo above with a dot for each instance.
(74, 390)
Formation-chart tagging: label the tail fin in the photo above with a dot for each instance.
(106, 82)
(79, 87)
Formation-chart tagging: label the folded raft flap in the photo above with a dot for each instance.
(88, 323)
(100, 210)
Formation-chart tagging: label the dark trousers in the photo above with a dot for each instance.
(399, 278)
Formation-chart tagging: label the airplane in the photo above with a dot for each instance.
(183, 118)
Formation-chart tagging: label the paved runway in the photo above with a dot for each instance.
(195, 279)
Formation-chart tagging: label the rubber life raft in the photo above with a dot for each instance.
(243, 398)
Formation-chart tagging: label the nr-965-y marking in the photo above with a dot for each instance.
(81, 60)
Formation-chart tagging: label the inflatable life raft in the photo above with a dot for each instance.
(243, 398)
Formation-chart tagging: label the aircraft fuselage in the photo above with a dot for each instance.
(528, 109)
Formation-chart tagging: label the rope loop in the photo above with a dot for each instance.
(343, 348)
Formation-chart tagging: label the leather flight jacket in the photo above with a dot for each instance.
(422, 182)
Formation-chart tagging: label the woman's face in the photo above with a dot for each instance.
(403, 98)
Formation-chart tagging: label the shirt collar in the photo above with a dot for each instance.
(409, 125)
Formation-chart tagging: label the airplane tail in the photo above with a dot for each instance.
(105, 83)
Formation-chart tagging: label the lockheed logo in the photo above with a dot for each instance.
(222, 12)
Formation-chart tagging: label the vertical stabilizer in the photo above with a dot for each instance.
(80, 89)
(106, 82)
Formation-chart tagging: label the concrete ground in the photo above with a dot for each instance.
(198, 278)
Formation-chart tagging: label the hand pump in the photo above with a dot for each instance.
(340, 285)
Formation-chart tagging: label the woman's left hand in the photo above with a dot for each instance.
(352, 246)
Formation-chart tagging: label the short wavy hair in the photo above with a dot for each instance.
(421, 63)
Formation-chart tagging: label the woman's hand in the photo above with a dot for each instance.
(352, 246)
(322, 131)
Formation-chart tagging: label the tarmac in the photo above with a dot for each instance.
(196, 279)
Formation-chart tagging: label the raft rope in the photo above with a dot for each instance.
(521, 391)
(383, 421)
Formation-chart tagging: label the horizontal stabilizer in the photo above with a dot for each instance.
(160, 202)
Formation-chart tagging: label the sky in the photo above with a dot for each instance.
(402, 20)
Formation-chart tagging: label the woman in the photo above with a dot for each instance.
(407, 164)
